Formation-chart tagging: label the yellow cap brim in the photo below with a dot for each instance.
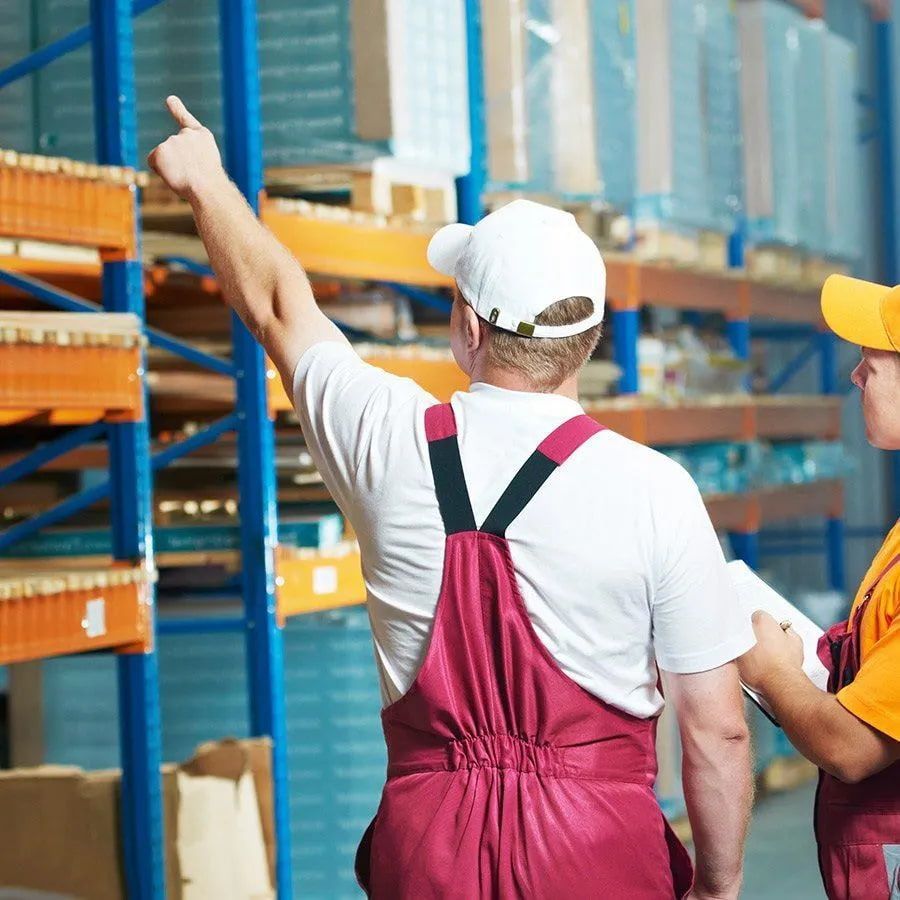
(853, 311)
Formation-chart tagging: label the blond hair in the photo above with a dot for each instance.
(545, 362)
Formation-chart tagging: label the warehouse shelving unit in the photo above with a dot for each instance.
(276, 581)
(114, 607)
(633, 284)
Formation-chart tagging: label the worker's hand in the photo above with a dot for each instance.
(189, 161)
(775, 651)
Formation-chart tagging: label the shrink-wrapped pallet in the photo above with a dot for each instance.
(687, 114)
(341, 81)
(845, 164)
(559, 97)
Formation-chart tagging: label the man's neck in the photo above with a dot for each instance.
(512, 381)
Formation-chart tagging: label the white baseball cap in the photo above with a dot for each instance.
(519, 260)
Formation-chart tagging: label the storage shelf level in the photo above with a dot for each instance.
(47, 613)
(70, 368)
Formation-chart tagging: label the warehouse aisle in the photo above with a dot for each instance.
(781, 850)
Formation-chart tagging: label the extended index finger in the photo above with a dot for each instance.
(181, 114)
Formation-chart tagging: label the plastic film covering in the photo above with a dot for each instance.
(559, 80)
(802, 159)
(342, 81)
(687, 114)
(16, 119)
(844, 197)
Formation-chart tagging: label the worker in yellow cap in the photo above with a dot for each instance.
(852, 731)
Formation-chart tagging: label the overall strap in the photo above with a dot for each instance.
(895, 561)
(446, 467)
(551, 453)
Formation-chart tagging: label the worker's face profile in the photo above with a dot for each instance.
(878, 378)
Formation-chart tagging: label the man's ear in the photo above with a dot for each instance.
(475, 332)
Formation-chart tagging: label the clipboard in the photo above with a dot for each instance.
(753, 593)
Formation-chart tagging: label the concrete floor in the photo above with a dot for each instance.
(781, 850)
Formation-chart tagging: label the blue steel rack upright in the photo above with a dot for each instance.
(129, 487)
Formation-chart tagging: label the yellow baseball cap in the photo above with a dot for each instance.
(861, 312)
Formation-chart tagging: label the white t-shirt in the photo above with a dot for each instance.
(616, 557)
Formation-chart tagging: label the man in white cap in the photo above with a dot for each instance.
(533, 580)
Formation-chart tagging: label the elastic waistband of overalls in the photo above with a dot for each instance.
(618, 759)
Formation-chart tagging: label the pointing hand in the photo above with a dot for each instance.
(189, 161)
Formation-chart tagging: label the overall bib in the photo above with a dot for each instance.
(857, 825)
(505, 778)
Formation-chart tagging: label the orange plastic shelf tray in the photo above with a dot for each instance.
(312, 582)
(93, 208)
(440, 377)
(69, 375)
(748, 512)
(354, 249)
(52, 614)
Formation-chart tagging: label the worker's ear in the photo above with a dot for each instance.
(475, 330)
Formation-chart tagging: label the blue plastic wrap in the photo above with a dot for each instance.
(688, 122)
(614, 50)
(306, 80)
(16, 109)
(811, 123)
(845, 163)
(770, 59)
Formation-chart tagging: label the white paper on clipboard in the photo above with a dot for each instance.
(753, 594)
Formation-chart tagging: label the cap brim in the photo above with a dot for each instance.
(445, 248)
(853, 311)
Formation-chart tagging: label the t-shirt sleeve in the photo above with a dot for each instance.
(697, 621)
(874, 695)
(348, 411)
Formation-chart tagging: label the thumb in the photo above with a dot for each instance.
(181, 114)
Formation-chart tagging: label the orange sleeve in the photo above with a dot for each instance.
(874, 695)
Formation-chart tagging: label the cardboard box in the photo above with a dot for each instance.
(60, 827)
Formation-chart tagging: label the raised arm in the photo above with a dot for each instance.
(716, 774)
(259, 278)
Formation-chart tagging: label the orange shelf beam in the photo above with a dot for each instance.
(440, 377)
(314, 581)
(355, 248)
(70, 368)
(741, 419)
(58, 613)
(67, 202)
(748, 512)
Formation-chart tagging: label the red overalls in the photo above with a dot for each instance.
(857, 825)
(506, 779)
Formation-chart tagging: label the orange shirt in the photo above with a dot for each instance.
(874, 696)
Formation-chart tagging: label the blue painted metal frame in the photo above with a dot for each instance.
(256, 451)
(94, 494)
(112, 32)
(81, 37)
(68, 302)
(49, 451)
(626, 331)
(423, 298)
(470, 188)
(795, 365)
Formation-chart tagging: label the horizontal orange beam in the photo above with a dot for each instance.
(87, 206)
(73, 384)
(313, 582)
(749, 512)
(353, 249)
(52, 614)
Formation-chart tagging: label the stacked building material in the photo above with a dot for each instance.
(801, 154)
(342, 81)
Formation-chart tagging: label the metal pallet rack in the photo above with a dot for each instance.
(273, 586)
(112, 608)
